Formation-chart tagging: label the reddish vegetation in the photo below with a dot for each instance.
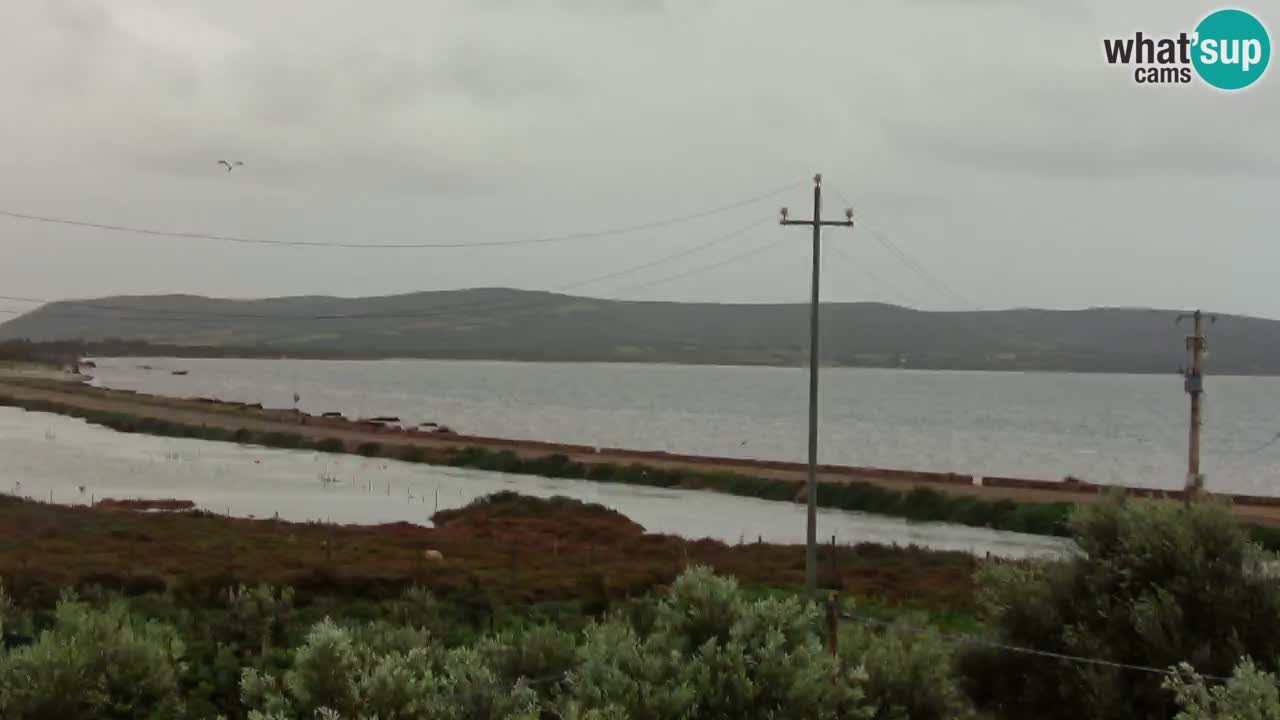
(515, 520)
(523, 551)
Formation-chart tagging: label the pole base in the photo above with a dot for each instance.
(1194, 487)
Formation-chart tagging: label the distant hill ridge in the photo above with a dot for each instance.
(500, 323)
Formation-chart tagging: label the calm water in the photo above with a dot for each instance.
(49, 457)
(1104, 428)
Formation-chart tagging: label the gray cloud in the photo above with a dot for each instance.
(1074, 10)
(1119, 132)
(961, 129)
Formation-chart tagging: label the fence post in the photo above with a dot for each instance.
(835, 563)
(833, 623)
(515, 567)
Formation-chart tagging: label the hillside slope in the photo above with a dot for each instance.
(522, 325)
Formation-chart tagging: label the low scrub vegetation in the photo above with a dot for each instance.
(513, 550)
(1169, 612)
(1157, 588)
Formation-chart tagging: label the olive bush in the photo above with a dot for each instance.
(335, 676)
(1250, 694)
(94, 665)
(714, 654)
(1155, 585)
(910, 671)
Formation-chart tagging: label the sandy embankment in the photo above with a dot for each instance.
(68, 389)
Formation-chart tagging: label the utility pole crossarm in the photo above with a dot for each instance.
(822, 223)
(811, 530)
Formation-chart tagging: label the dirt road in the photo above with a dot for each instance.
(233, 416)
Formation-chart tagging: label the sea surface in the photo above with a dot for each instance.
(65, 460)
(1114, 429)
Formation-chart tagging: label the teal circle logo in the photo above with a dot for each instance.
(1232, 49)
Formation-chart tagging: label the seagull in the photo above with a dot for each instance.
(230, 164)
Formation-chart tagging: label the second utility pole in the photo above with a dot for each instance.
(811, 531)
(1194, 385)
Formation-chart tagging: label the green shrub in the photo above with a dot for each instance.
(330, 444)
(217, 434)
(335, 675)
(712, 653)
(411, 453)
(369, 449)
(925, 504)
(1155, 585)
(290, 441)
(543, 653)
(1250, 693)
(910, 670)
(94, 664)
(507, 461)
(601, 472)
(556, 465)
(473, 457)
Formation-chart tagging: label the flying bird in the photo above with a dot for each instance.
(230, 164)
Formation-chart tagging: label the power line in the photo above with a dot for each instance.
(625, 230)
(1005, 647)
(702, 246)
(754, 250)
(862, 269)
(906, 259)
(435, 312)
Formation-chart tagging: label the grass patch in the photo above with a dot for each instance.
(411, 453)
(330, 444)
(290, 441)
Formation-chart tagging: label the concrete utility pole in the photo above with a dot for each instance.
(811, 536)
(1194, 385)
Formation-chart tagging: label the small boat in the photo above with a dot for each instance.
(180, 372)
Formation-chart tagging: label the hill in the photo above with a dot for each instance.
(524, 325)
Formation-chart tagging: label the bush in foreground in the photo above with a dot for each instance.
(1156, 585)
(911, 671)
(706, 651)
(1250, 694)
(94, 665)
(712, 653)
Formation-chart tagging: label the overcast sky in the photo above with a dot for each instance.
(987, 140)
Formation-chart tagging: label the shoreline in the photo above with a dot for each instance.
(800, 364)
(1035, 506)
